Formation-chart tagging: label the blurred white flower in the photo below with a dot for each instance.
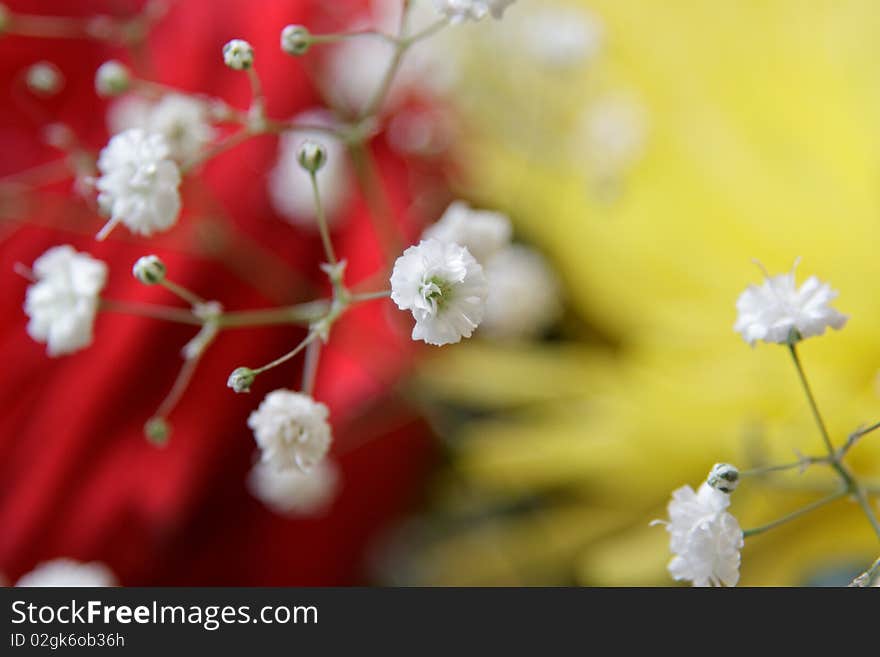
(444, 287)
(291, 430)
(560, 36)
(524, 295)
(471, 10)
(139, 183)
(771, 311)
(704, 537)
(612, 136)
(183, 121)
(482, 232)
(355, 67)
(127, 112)
(44, 78)
(69, 572)
(290, 186)
(63, 301)
(293, 492)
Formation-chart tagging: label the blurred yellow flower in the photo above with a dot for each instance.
(761, 139)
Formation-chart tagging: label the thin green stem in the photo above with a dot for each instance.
(302, 313)
(796, 514)
(165, 313)
(322, 221)
(290, 354)
(191, 298)
(369, 296)
(231, 141)
(792, 348)
(374, 193)
(310, 368)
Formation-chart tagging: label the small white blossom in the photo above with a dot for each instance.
(63, 301)
(354, 68)
(183, 121)
(482, 232)
(471, 10)
(772, 310)
(127, 112)
(704, 537)
(559, 36)
(69, 572)
(293, 492)
(139, 183)
(112, 78)
(524, 295)
(44, 78)
(238, 54)
(241, 379)
(444, 287)
(291, 430)
(612, 136)
(290, 186)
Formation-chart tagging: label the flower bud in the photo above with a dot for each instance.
(723, 477)
(295, 40)
(238, 55)
(149, 270)
(44, 79)
(311, 156)
(157, 431)
(241, 379)
(112, 78)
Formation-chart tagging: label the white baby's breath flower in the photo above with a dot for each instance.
(63, 301)
(482, 232)
(471, 10)
(290, 186)
(612, 136)
(127, 112)
(139, 183)
(773, 310)
(354, 68)
(560, 36)
(704, 537)
(291, 430)
(183, 121)
(444, 287)
(293, 492)
(69, 572)
(523, 295)
(44, 78)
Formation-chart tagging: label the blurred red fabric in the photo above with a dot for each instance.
(77, 478)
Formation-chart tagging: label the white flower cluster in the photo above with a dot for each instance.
(139, 183)
(522, 293)
(181, 119)
(293, 492)
(444, 287)
(704, 537)
(291, 430)
(69, 572)
(471, 10)
(62, 303)
(777, 310)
